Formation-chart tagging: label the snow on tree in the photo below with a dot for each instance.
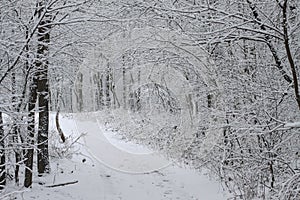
(209, 83)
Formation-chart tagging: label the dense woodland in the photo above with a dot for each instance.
(223, 75)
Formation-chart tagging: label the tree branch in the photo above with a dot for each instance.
(289, 53)
(269, 44)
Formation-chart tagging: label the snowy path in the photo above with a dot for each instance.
(122, 171)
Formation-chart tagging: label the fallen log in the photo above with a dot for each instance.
(62, 184)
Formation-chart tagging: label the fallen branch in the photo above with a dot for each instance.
(62, 184)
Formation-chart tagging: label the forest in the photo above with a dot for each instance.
(209, 84)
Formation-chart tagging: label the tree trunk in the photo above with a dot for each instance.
(15, 128)
(28, 155)
(131, 99)
(108, 87)
(124, 84)
(79, 91)
(43, 92)
(31, 130)
(100, 89)
(42, 139)
(138, 92)
(2, 155)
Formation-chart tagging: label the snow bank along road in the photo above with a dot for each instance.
(107, 168)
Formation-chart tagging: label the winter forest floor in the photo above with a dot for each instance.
(99, 165)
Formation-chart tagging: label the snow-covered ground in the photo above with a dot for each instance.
(105, 167)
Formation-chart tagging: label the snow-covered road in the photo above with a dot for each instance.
(108, 168)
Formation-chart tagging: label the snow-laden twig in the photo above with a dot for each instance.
(13, 193)
(292, 125)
